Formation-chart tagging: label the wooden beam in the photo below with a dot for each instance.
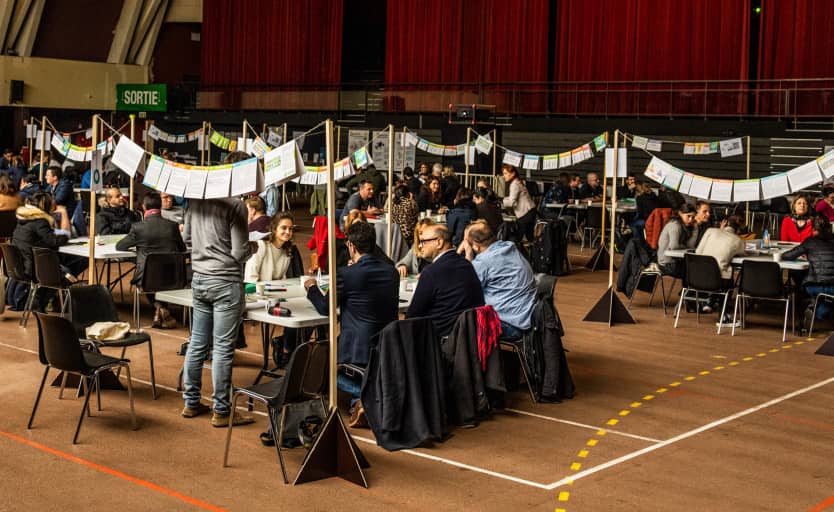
(123, 34)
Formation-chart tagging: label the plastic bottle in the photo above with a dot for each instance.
(765, 239)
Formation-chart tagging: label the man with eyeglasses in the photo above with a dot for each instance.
(448, 286)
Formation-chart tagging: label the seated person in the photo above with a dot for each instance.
(115, 218)
(629, 191)
(797, 227)
(276, 257)
(171, 210)
(29, 186)
(363, 200)
(153, 235)
(723, 244)
(9, 198)
(703, 218)
(647, 202)
(462, 213)
(318, 245)
(488, 207)
(447, 287)
(825, 206)
(431, 196)
(415, 259)
(506, 277)
(592, 189)
(60, 187)
(258, 219)
(678, 233)
(404, 212)
(819, 250)
(368, 295)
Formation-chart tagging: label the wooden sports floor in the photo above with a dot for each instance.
(664, 419)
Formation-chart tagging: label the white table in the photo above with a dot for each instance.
(105, 249)
(738, 260)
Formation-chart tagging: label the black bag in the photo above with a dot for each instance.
(296, 414)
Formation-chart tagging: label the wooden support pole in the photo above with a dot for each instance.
(92, 274)
(132, 137)
(390, 200)
(284, 185)
(615, 165)
(466, 156)
(44, 143)
(747, 203)
(331, 261)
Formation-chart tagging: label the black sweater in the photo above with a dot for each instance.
(820, 253)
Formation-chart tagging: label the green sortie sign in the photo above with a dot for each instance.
(142, 97)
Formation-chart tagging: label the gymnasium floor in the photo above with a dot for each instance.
(664, 419)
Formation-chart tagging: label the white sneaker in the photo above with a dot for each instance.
(728, 323)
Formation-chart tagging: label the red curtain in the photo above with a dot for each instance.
(645, 40)
(268, 42)
(796, 41)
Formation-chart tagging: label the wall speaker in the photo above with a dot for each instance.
(16, 91)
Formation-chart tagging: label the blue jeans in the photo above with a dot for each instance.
(510, 331)
(823, 308)
(218, 306)
(351, 386)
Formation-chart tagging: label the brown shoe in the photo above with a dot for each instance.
(357, 417)
(190, 412)
(222, 420)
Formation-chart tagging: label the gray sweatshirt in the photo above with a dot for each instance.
(219, 238)
(674, 236)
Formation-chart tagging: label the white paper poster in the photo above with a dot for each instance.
(512, 158)
(245, 145)
(686, 183)
(362, 158)
(164, 176)
(655, 171)
(128, 156)
(622, 163)
(153, 132)
(42, 137)
(775, 186)
(410, 153)
(806, 175)
(746, 190)
(282, 164)
(826, 164)
(59, 144)
(565, 159)
(434, 149)
(450, 151)
(470, 155)
(722, 191)
(343, 168)
(410, 139)
(96, 182)
(356, 140)
(178, 180)
(531, 162)
(153, 171)
(673, 178)
(639, 142)
(196, 185)
(700, 187)
(423, 145)
(379, 149)
(244, 177)
(31, 130)
(273, 137)
(654, 146)
(550, 162)
(483, 144)
(731, 147)
(218, 180)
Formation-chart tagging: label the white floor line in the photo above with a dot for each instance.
(584, 425)
(686, 435)
(19, 348)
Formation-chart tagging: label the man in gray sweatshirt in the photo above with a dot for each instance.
(217, 232)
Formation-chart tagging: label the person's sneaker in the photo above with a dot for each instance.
(357, 417)
(222, 420)
(190, 412)
(706, 308)
(728, 323)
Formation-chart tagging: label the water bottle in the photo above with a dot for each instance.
(765, 239)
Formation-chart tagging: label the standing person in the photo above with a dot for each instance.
(520, 201)
(825, 206)
(404, 212)
(797, 227)
(216, 230)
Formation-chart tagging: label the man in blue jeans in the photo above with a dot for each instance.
(217, 231)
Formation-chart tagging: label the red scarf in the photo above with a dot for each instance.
(489, 329)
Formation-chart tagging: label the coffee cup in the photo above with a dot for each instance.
(260, 289)
(590, 202)
(777, 256)
(576, 201)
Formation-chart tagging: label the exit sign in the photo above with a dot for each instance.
(142, 97)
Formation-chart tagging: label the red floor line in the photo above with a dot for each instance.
(819, 507)
(113, 472)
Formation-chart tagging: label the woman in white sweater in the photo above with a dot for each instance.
(277, 257)
(518, 198)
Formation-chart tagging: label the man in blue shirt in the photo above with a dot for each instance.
(506, 277)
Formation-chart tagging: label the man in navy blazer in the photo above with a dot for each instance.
(368, 294)
(448, 286)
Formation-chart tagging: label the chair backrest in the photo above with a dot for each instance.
(164, 271)
(90, 304)
(48, 268)
(306, 372)
(8, 221)
(761, 279)
(58, 345)
(594, 219)
(703, 272)
(14, 263)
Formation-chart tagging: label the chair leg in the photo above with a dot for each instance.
(735, 313)
(63, 385)
(522, 360)
(785, 325)
(654, 289)
(229, 431)
(38, 397)
(130, 397)
(662, 292)
(723, 310)
(98, 390)
(30, 301)
(279, 439)
(153, 373)
(697, 308)
(678, 309)
(85, 408)
(813, 315)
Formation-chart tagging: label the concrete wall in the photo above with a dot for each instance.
(57, 83)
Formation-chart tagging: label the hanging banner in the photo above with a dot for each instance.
(96, 171)
(512, 158)
(343, 168)
(601, 141)
(357, 139)
(362, 158)
(483, 144)
(746, 190)
(700, 187)
(379, 149)
(826, 164)
(673, 179)
(654, 146)
(219, 140)
(410, 153)
(804, 176)
(775, 186)
(244, 177)
(639, 142)
(218, 181)
(622, 163)
(273, 137)
(153, 171)
(127, 156)
(283, 164)
(531, 162)
(722, 191)
(731, 147)
(550, 162)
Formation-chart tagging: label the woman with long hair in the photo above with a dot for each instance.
(404, 212)
(488, 207)
(413, 262)
(677, 233)
(819, 249)
(276, 257)
(518, 198)
(798, 226)
(9, 198)
(431, 196)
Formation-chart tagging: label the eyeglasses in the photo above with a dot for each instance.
(426, 240)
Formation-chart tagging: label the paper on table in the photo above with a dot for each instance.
(153, 171)
(826, 164)
(731, 147)
(806, 175)
(512, 158)
(746, 190)
(550, 162)
(218, 179)
(722, 191)
(128, 156)
(686, 183)
(177, 181)
(244, 177)
(775, 186)
(196, 183)
(673, 178)
(700, 187)
(531, 162)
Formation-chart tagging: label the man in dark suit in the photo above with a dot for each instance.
(368, 293)
(154, 234)
(448, 286)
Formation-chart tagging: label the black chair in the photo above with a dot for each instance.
(8, 221)
(653, 271)
(13, 260)
(761, 280)
(49, 275)
(94, 303)
(58, 348)
(814, 315)
(163, 271)
(593, 226)
(702, 276)
(305, 379)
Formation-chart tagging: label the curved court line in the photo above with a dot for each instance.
(113, 472)
(819, 507)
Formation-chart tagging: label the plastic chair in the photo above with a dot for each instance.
(702, 276)
(593, 224)
(94, 303)
(305, 379)
(59, 348)
(761, 280)
(814, 315)
(49, 275)
(163, 271)
(655, 272)
(13, 260)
